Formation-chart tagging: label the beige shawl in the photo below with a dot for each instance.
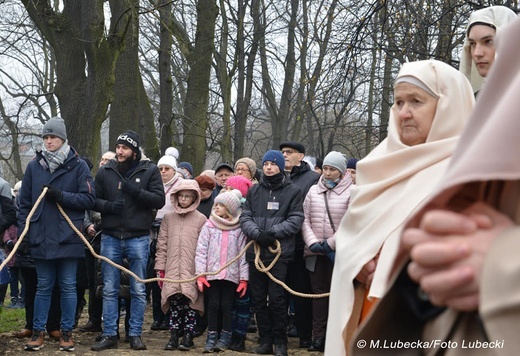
(487, 155)
(498, 16)
(392, 181)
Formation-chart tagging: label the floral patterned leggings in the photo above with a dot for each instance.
(181, 313)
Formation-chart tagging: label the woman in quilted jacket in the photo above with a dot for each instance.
(324, 206)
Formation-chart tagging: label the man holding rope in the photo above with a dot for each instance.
(273, 211)
(53, 244)
(129, 191)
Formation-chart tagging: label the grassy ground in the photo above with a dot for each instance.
(11, 319)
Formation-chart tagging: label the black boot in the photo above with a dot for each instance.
(237, 342)
(318, 344)
(187, 342)
(173, 344)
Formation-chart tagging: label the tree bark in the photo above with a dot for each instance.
(85, 64)
(194, 121)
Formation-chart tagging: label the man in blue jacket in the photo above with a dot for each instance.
(129, 191)
(53, 244)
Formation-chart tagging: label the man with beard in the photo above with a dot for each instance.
(130, 191)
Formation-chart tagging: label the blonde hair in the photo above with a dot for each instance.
(228, 214)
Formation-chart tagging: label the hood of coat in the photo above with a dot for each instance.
(185, 184)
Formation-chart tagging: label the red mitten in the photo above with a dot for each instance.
(201, 282)
(160, 274)
(242, 288)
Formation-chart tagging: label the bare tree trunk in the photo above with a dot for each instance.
(224, 79)
(301, 107)
(166, 127)
(197, 97)
(445, 44)
(370, 107)
(279, 115)
(245, 75)
(85, 63)
(387, 75)
(323, 45)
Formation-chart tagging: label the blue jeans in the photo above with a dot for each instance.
(63, 271)
(136, 251)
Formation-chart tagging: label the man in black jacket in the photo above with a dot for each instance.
(129, 191)
(273, 211)
(298, 277)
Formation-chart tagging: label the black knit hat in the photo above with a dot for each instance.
(351, 163)
(130, 139)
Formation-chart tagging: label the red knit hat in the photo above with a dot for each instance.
(239, 182)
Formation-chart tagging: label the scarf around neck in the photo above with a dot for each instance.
(56, 158)
(273, 182)
(225, 224)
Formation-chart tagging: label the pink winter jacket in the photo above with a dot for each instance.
(213, 254)
(176, 246)
(316, 226)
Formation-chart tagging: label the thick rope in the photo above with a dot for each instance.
(259, 264)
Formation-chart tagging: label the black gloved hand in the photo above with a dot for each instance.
(265, 239)
(130, 188)
(326, 247)
(53, 195)
(114, 207)
(316, 248)
(9, 245)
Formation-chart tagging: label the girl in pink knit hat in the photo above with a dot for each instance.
(220, 240)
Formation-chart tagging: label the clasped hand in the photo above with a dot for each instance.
(448, 250)
(265, 239)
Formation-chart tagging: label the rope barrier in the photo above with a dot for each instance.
(259, 264)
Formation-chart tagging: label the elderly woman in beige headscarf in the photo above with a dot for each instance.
(456, 277)
(432, 103)
(478, 53)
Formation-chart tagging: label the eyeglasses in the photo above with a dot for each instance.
(289, 152)
(164, 168)
(186, 196)
(239, 169)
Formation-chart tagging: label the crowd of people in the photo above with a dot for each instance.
(409, 247)
(159, 220)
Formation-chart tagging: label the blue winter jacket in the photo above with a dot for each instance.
(50, 236)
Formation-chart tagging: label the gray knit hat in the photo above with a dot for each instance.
(337, 160)
(55, 127)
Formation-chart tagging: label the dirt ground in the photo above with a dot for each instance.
(154, 340)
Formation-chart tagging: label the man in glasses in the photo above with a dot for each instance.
(298, 279)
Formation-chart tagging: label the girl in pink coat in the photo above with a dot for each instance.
(220, 241)
(175, 259)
